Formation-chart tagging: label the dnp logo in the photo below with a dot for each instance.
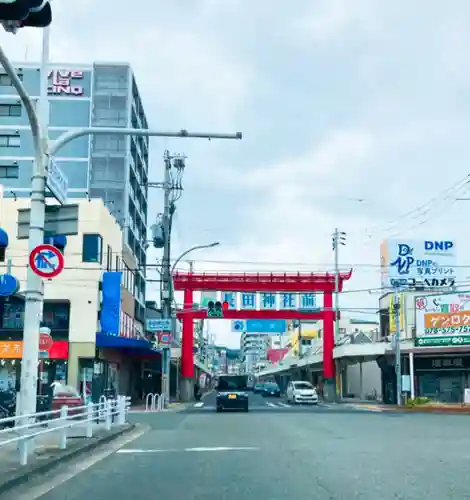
(404, 259)
(438, 247)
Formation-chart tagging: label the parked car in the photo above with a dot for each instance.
(301, 392)
(258, 388)
(271, 389)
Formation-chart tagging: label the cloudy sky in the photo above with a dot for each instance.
(355, 114)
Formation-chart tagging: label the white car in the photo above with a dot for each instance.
(301, 392)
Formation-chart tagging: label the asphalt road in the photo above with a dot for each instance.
(324, 452)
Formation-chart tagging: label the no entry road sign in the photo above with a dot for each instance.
(46, 261)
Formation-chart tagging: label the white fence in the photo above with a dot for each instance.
(154, 402)
(24, 428)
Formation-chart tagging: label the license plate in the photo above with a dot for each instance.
(232, 396)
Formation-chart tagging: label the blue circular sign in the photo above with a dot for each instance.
(238, 325)
(9, 285)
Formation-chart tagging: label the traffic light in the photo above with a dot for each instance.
(215, 309)
(16, 14)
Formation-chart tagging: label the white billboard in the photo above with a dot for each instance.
(443, 319)
(426, 263)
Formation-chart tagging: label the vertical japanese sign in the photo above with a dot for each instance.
(110, 314)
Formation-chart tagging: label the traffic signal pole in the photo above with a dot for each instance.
(43, 150)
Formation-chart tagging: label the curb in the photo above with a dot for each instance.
(28, 472)
(452, 411)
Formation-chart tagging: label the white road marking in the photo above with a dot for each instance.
(76, 468)
(271, 404)
(198, 405)
(189, 450)
(224, 448)
(285, 405)
(135, 451)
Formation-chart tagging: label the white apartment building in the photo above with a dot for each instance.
(98, 247)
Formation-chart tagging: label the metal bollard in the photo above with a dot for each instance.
(108, 415)
(89, 423)
(63, 432)
(121, 420)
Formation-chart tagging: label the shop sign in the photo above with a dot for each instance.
(62, 82)
(14, 350)
(443, 319)
(418, 263)
(442, 341)
(9, 285)
(442, 363)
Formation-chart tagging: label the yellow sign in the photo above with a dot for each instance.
(393, 326)
(11, 350)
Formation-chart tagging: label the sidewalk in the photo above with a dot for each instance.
(47, 453)
(449, 408)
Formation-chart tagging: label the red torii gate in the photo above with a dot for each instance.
(258, 282)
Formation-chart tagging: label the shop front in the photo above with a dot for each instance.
(442, 377)
(53, 354)
(52, 365)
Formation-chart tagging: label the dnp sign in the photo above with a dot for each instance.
(438, 246)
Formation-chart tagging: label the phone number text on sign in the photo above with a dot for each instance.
(448, 330)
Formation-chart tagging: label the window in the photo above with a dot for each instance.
(5, 80)
(92, 248)
(10, 140)
(10, 109)
(109, 259)
(9, 171)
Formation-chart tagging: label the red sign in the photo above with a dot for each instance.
(45, 342)
(164, 338)
(46, 261)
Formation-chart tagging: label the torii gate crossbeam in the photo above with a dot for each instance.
(263, 283)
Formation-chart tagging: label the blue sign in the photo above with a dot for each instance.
(238, 325)
(9, 285)
(231, 298)
(158, 325)
(110, 315)
(266, 325)
(268, 301)
(287, 301)
(308, 301)
(248, 301)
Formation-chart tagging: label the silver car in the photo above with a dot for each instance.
(301, 392)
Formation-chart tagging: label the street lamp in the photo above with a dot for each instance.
(192, 249)
(167, 359)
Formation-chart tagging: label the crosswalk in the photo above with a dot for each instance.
(258, 406)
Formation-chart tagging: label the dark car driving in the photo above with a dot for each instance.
(232, 393)
(271, 389)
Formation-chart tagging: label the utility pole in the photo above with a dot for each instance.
(169, 190)
(396, 312)
(339, 238)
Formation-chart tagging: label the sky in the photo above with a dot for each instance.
(354, 115)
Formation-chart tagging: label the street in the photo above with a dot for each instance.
(325, 452)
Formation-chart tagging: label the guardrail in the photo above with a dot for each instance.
(25, 428)
(154, 402)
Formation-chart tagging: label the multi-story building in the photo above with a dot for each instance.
(111, 167)
(75, 305)
(253, 348)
